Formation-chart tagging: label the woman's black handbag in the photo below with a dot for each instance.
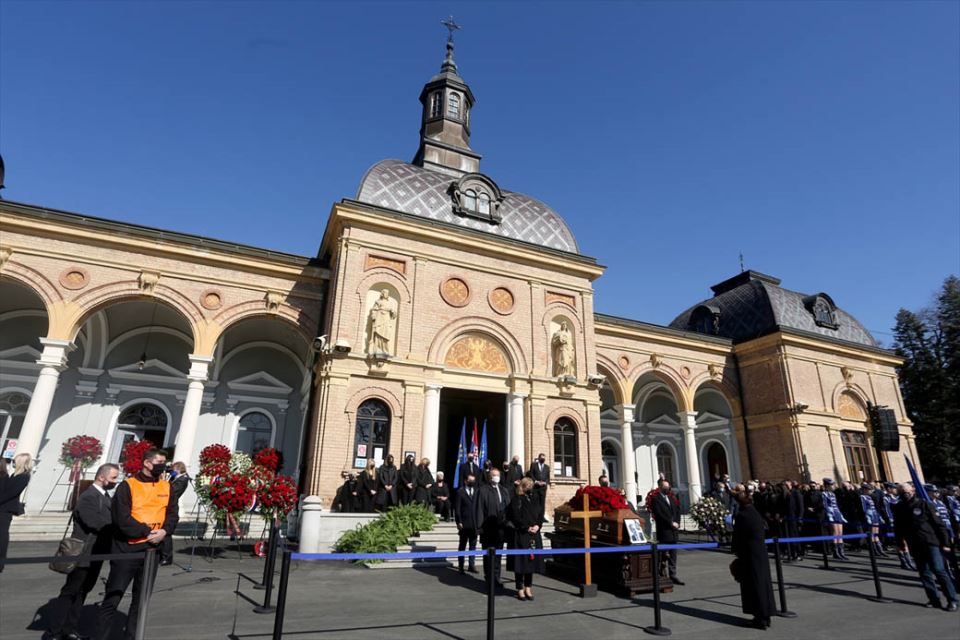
(69, 546)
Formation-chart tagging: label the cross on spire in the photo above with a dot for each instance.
(451, 27)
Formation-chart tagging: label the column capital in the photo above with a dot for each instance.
(688, 419)
(55, 353)
(626, 412)
(518, 395)
(431, 386)
(199, 367)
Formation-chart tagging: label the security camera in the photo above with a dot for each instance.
(319, 343)
(341, 347)
(596, 379)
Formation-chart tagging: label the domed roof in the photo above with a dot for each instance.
(753, 304)
(398, 185)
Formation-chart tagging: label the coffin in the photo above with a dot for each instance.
(609, 528)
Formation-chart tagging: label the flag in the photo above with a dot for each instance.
(483, 442)
(474, 446)
(917, 485)
(461, 453)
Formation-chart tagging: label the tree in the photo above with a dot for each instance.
(929, 343)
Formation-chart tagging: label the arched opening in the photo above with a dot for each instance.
(611, 462)
(13, 407)
(717, 464)
(254, 431)
(140, 420)
(667, 463)
(371, 433)
(565, 448)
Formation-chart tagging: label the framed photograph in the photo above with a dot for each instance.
(635, 531)
(361, 451)
(414, 454)
(359, 462)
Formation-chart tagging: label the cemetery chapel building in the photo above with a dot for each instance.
(446, 300)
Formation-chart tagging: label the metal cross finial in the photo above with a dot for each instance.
(741, 262)
(451, 27)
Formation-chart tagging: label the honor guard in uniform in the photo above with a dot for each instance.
(871, 517)
(833, 519)
(953, 506)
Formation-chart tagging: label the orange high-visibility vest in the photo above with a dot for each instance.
(148, 503)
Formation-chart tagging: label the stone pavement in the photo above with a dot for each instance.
(330, 600)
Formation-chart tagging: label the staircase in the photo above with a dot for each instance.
(443, 537)
(38, 527)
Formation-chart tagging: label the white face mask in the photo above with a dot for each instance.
(495, 479)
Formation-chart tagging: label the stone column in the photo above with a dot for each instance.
(689, 422)
(187, 434)
(52, 361)
(629, 463)
(431, 423)
(517, 429)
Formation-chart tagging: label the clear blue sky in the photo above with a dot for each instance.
(821, 139)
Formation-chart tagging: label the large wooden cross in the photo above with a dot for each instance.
(586, 515)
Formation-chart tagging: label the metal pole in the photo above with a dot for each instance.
(271, 556)
(268, 571)
(876, 575)
(491, 590)
(148, 575)
(657, 629)
(826, 561)
(783, 613)
(281, 596)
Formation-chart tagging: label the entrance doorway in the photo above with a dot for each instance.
(459, 404)
(716, 463)
(141, 421)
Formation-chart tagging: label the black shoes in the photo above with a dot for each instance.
(676, 580)
(951, 607)
(933, 604)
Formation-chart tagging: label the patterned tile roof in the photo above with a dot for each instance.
(398, 185)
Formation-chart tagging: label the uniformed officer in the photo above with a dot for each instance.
(916, 523)
(833, 519)
(890, 501)
(871, 517)
(953, 506)
(944, 512)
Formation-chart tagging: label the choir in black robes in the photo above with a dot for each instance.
(424, 484)
(753, 565)
(408, 480)
(368, 489)
(387, 477)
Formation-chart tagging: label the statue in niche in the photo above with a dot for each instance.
(382, 323)
(563, 354)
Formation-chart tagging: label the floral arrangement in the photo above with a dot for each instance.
(709, 514)
(267, 458)
(232, 494)
(80, 451)
(648, 501)
(240, 463)
(132, 457)
(277, 497)
(215, 453)
(604, 498)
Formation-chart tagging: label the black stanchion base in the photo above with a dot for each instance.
(657, 631)
(880, 600)
(785, 614)
(588, 591)
(259, 587)
(264, 609)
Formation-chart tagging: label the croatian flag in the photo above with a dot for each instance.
(917, 485)
(483, 443)
(461, 453)
(474, 446)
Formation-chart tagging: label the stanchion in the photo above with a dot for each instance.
(876, 576)
(778, 561)
(281, 596)
(491, 590)
(148, 575)
(657, 629)
(271, 555)
(826, 561)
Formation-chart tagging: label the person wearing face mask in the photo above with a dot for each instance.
(493, 505)
(464, 513)
(387, 485)
(144, 513)
(470, 467)
(92, 523)
(408, 480)
(540, 474)
(514, 472)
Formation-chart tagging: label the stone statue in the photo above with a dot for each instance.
(382, 324)
(563, 354)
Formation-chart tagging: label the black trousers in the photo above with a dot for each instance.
(73, 594)
(442, 508)
(467, 536)
(668, 560)
(5, 520)
(524, 580)
(496, 542)
(791, 530)
(122, 572)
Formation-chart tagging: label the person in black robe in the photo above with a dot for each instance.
(350, 494)
(408, 480)
(752, 563)
(440, 498)
(526, 516)
(514, 473)
(493, 505)
(387, 485)
(368, 487)
(425, 482)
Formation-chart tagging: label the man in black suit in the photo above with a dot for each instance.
(92, 523)
(465, 515)
(514, 473)
(493, 505)
(666, 513)
(540, 474)
(469, 468)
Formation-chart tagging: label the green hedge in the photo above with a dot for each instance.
(391, 530)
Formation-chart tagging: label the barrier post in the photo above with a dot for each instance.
(784, 612)
(826, 561)
(148, 575)
(876, 575)
(657, 629)
(281, 596)
(271, 556)
(491, 590)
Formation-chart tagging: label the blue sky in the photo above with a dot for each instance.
(821, 139)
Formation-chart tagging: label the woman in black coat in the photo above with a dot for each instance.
(367, 487)
(752, 563)
(526, 515)
(424, 483)
(408, 480)
(11, 486)
(387, 485)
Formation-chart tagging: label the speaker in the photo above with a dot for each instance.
(886, 433)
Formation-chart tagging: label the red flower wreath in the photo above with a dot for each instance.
(80, 450)
(604, 498)
(132, 456)
(267, 458)
(277, 497)
(215, 453)
(232, 494)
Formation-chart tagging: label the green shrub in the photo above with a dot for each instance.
(391, 530)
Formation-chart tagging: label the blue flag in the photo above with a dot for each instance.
(461, 454)
(483, 444)
(917, 485)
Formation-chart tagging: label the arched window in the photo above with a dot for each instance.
(483, 204)
(611, 462)
(856, 450)
(436, 105)
(717, 465)
(372, 431)
(565, 448)
(13, 407)
(453, 106)
(665, 463)
(470, 200)
(148, 421)
(254, 432)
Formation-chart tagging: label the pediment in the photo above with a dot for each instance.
(24, 353)
(259, 381)
(665, 419)
(706, 417)
(153, 368)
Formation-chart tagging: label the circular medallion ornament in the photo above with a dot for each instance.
(624, 362)
(74, 278)
(455, 292)
(685, 373)
(211, 300)
(501, 300)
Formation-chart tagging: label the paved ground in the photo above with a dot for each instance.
(337, 600)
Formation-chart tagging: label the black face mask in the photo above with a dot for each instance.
(158, 470)
(107, 486)
(542, 460)
(469, 483)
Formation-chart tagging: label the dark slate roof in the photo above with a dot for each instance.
(398, 185)
(753, 304)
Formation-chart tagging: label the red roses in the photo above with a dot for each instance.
(213, 454)
(80, 450)
(232, 493)
(132, 456)
(277, 497)
(267, 458)
(604, 498)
